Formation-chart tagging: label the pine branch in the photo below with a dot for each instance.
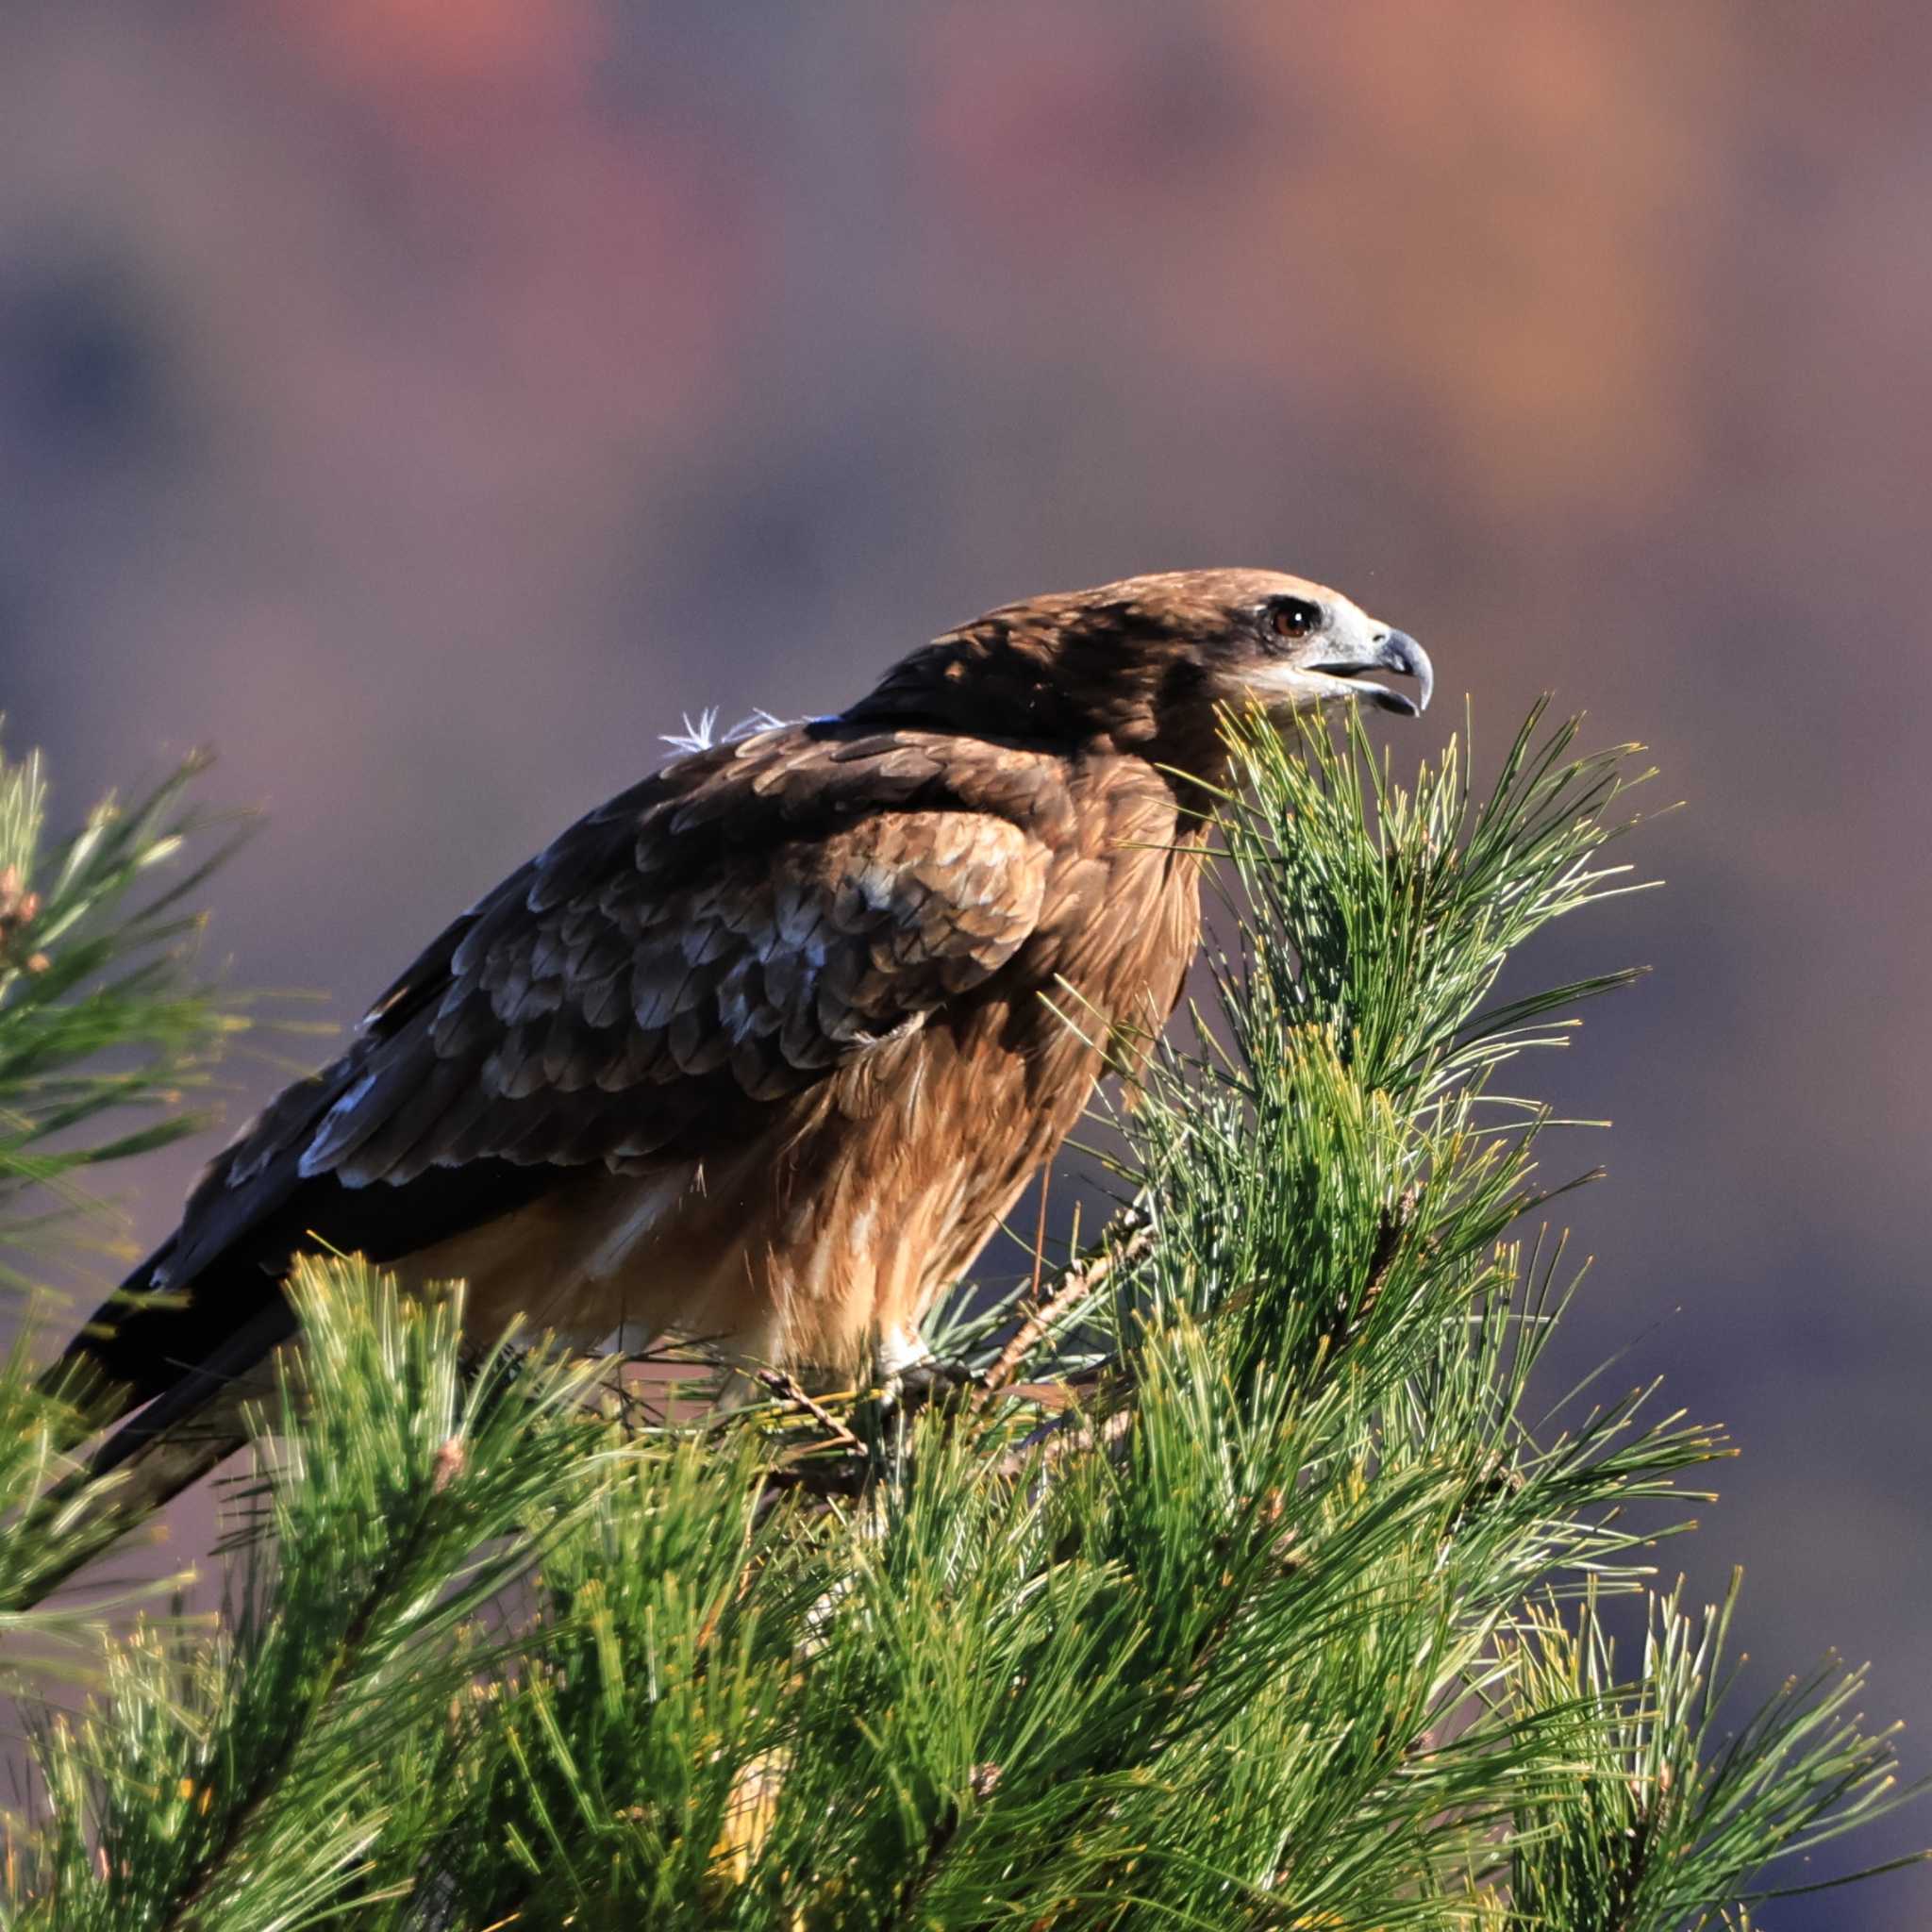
(89, 971)
(102, 1021)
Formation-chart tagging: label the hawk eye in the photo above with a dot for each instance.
(1294, 616)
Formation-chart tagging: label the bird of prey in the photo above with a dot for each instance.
(760, 1051)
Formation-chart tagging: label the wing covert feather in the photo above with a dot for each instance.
(693, 950)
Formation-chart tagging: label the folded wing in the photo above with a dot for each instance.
(653, 989)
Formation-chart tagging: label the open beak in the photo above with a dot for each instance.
(1394, 650)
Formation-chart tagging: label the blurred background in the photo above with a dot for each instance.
(428, 404)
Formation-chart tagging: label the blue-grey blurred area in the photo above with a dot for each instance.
(428, 404)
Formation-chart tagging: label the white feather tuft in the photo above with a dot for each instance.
(704, 734)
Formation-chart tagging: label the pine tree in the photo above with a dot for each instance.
(1244, 1590)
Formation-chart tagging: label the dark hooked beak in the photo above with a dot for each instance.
(1392, 650)
(1395, 649)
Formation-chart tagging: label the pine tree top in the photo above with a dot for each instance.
(1256, 1583)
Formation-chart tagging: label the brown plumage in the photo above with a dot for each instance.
(758, 1052)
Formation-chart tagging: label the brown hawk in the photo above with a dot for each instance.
(760, 1051)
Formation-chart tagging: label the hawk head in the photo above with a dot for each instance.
(1145, 664)
(1255, 635)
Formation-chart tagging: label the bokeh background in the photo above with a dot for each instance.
(426, 404)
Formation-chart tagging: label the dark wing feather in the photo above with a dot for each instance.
(707, 944)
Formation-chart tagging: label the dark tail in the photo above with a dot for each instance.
(184, 1388)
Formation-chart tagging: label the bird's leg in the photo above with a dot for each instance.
(909, 1372)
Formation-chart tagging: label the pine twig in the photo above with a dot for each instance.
(786, 1389)
(1072, 1287)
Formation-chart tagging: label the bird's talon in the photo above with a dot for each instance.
(929, 1382)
